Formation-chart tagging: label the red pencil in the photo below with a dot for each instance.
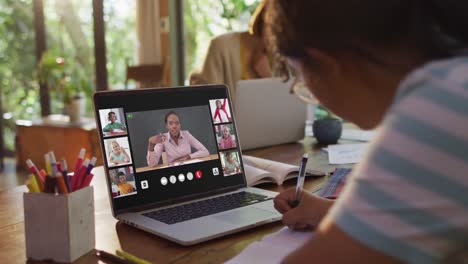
(78, 164)
(37, 175)
(87, 180)
(78, 177)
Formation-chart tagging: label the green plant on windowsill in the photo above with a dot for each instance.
(64, 77)
(67, 82)
(323, 113)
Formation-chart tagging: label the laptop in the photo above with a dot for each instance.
(169, 169)
(265, 107)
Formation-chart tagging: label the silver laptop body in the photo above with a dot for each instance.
(208, 227)
(268, 114)
(187, 232)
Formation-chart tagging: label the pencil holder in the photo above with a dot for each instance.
(59, 227)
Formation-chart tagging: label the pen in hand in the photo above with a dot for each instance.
(300, 181)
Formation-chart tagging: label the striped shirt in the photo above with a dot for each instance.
(408, 198)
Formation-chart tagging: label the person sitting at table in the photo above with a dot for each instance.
(401, 65)
(113, 123)
(118, 155)
(221, 114)
(176, 143)
(236, 56)
(121, 183)
(227, 140)
(231, 165)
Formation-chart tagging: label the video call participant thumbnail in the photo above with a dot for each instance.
(231, 163)
(220, 111)
(110, 120)
(113, 123)
(123, 181)
(226, 139)
(117, 155)
(176, 143)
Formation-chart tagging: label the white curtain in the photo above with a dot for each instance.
(149, 32)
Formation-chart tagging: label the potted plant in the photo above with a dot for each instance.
(67, 82)
(327, 127)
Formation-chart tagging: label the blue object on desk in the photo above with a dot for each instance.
(335, 183)
(327, 130)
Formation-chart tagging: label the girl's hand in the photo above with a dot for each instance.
(307, 214)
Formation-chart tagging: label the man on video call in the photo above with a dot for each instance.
(176, 143)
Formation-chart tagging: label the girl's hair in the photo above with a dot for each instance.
(438, 28)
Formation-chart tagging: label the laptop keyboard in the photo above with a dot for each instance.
(215, 205)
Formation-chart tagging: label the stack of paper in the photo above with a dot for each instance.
(357, 134)
(272, 248)
(346, 153)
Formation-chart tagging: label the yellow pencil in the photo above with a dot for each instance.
(48, 165)
(131, 257)
(32, 185)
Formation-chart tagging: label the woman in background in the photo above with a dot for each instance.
(402, 65)
(236, 56)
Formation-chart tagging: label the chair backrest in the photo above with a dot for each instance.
(148, 75)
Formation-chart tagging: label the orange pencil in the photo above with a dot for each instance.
(61, 183)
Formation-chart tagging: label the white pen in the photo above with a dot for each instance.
(300, 180)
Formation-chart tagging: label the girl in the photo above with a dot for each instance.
(226, 141)
(118, 155)
(400, 64)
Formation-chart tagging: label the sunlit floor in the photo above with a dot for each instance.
(9, 177)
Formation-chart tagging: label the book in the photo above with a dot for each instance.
(258, 170)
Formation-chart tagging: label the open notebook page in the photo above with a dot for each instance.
(272, 248)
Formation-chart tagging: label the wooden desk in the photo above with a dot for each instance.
(111, 235)
(36, 138)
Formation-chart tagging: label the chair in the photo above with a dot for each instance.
(148, 75)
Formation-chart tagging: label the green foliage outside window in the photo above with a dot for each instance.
(69, 29)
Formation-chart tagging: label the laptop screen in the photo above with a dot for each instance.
(162, 145)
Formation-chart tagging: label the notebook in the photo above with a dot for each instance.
(268, 114)
(272, 248)
(176, 170)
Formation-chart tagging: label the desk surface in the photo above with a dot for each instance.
(111, 235)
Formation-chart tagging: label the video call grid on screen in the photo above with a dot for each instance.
(195, 98)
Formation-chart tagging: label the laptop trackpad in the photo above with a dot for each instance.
(245, 216)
